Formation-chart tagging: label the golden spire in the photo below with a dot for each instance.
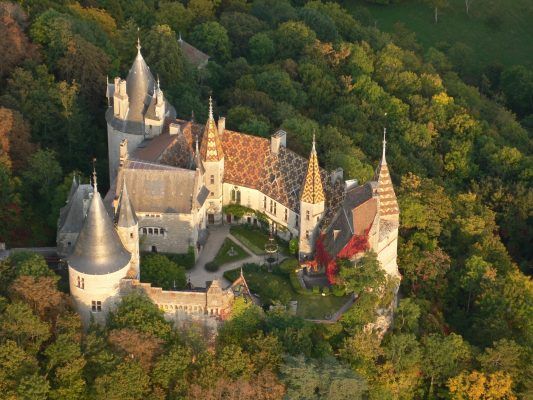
(312, 190)
(388, 205)
(211, 147)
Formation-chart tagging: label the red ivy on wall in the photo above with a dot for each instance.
(356, 245)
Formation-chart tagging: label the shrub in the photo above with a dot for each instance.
(338, 290)
(316, 290)
(212, 266)
(289, 265)
(326, 290)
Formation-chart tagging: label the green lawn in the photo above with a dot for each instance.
(223, 257)
(255, 238)
(510, 43)
(275, 286)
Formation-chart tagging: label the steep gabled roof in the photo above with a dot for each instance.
(312, 189)
(98, 250)
(72, 215)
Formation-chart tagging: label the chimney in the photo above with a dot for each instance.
(278, 140)
(174, 129)
(221, 126)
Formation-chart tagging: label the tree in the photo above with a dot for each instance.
(134, 345)
(41, 294)
(137, 311)
(160, 271)
(365, 275)
(293, 39)
(517, 85)
(16, 365)
(241, 27)
(443, 357)
(212, 38)
(479, 386)
(170, 369)
(437, 4)
(128, 381)
(175, 15)
(18, 323)
(15, 140)
(203, 10)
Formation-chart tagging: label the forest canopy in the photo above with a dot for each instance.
(460, 161)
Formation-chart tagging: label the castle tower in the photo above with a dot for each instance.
(137, 110)
(212, 157)
(128, 230)
(389, 215)
(97, 264)
(312, 203)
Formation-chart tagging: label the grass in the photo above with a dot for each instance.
(312, 306)
(223, 257)
(255, 239)
(509, 43)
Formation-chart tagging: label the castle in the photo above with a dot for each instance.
(171, 179)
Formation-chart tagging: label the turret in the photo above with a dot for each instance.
(212, 157)
(97, 264)
(312, 204)
(128, 230)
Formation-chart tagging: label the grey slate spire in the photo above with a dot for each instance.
(126, 217)
(73, 187)
(139, 86)
(98, 250)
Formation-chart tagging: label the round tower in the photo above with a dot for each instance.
(128, 230)
(97, 264)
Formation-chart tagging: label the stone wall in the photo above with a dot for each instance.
(179, 232)
(114, 138)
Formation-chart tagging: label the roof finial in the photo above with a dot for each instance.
(95, 184)
(138, 41)
(313, 149)
(197, 151)
(192, 116)
(383, 160)
(210, 108)
(180, 36)
(158, 83)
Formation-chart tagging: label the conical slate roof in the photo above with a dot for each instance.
(312, 190)
(126, 214)
(98, 250)
(140, 87)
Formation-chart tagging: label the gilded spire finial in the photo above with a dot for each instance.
(210, 108)
(313, 149)
(197, 151)
(383, 160)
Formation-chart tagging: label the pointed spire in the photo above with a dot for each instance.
(211, 146)
(179, 37)
(125, 211)
(138, 42)
(73, 187)
(383, 159)
(388, 204)
(312, 189)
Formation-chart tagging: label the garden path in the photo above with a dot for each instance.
(198, 274)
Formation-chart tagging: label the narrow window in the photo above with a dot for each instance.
(286, 215)
(307, 234)
(83, 283)
(150, 231)
(296, 221)
(232, 194)
(275, 213)
(69, 244)
(98, 306)
(271, 206)
(212, 179)
(238, 197)
(79, 285)
(307, 215)
(131, 235)
(318, 219)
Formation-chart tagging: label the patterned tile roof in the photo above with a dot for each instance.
(388, 205)
(249, 162)
(312, 190)
(211, 147)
